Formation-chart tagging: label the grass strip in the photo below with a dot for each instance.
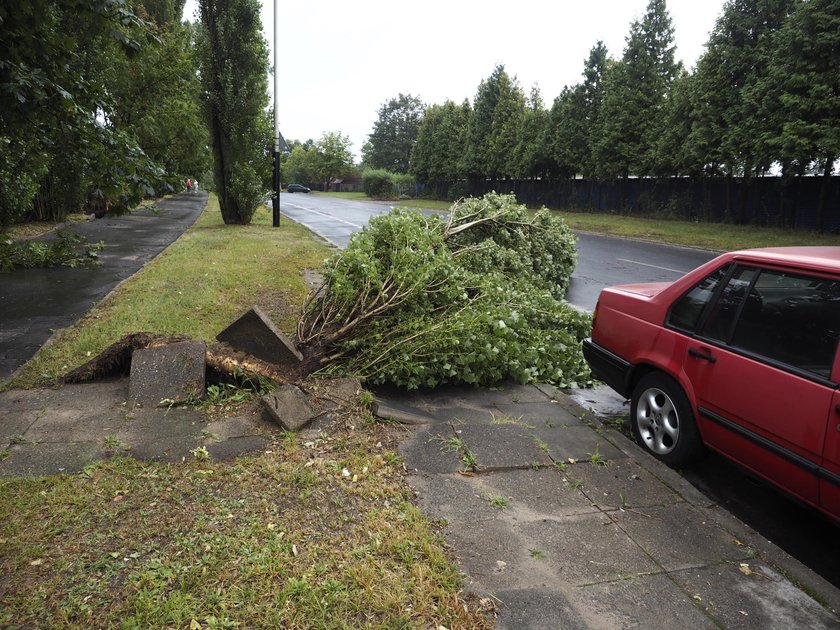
(314, 535)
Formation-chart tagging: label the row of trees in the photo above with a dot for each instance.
(764, 95)
(99, 105)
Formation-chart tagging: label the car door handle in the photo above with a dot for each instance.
(700, 354)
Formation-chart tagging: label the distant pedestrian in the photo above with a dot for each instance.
(189, 184)
(195, 185)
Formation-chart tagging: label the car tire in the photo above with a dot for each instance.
(663, 422)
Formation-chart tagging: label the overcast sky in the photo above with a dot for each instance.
(341, 61)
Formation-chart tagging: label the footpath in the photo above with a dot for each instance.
(563, 523)
(37, 302)
(555, 520)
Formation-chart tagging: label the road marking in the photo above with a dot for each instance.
(324, 214)
(636, 262)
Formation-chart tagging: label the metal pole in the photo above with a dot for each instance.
(275, 199)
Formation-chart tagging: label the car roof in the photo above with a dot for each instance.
(822, 258)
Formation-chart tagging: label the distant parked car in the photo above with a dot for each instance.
(293, 188)
(740, 356)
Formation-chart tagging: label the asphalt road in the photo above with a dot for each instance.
(605, 261)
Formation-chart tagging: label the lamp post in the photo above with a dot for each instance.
(275, 199)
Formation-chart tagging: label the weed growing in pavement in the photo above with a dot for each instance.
(541, 444)
(113, 443)
(456, 445)
(536, 554)
(573, 484)
(499, 502)
(596, 459)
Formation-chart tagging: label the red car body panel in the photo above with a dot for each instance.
(772, 419)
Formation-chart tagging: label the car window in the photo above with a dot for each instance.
(721, 318)
(793, 319)
(686, 311)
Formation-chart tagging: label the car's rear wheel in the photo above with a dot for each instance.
(663, 422)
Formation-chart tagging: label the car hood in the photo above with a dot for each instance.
(647, 289)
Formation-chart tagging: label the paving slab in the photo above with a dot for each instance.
(541, 414)
(589, 548)
(578, 443)
(255, 334)
(622, 483)
(643, 601)
(502, 446)
(425, 450)
(234, 447)
(533, 495)
(35, 460)
(174, 372)
(694, 540)
(535, 609)
(752, 597)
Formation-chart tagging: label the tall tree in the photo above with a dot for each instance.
(394, 134)
(529, 157)
(804, 92)
(674, 154)
(630, 118)
(727, 127)
(492, 133)
(334, 158)
(566, 139)
(234, 74)
(157, 99)
(572, 122)
(436, 157)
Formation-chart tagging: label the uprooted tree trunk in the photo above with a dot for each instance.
(222, 360)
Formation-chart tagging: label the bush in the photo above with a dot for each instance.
(61, 252)
(378, 183)
(417, 301)
(381, 184)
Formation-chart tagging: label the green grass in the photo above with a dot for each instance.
(713, 236)
(252, 544)
(199, 285)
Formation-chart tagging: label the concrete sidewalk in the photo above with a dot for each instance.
(567, 525)
(52, 431)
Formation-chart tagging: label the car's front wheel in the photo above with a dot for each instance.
(663, 422)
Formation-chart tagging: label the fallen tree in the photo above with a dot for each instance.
(417, 301)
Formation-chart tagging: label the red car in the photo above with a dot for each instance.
(740, 356)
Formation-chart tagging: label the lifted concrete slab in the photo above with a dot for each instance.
(167, 374)
(255, 334)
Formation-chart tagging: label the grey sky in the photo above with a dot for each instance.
(339, 62)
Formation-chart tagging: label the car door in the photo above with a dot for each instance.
(830, 473)
(760, 370)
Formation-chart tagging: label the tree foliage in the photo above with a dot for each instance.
(437, 154)
(394, 134)
(334, 158)
(70, 71)
(494, 126)
(234, 75)
(634, 97)
(418, 301)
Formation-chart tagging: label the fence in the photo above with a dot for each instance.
(803, 202)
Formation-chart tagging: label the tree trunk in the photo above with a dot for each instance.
(826, 180)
